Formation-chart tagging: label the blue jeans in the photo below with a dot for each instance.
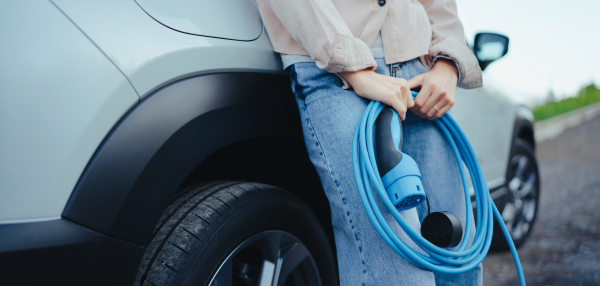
(329, 116)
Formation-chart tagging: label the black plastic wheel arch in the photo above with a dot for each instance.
(523, 127)
(141, 163)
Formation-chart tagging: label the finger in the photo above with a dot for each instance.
(405, 95)
(400, 108)
(444, 103)
(410, 102)
(417, 113)
(436, 97)
(422, 97)
(416, 81)
(441, 104)
(432, 112)
(443, 111)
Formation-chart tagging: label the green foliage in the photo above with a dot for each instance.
(586, 96)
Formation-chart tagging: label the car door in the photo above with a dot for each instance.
(486, 115)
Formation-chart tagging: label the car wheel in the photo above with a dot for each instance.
(519, 210)
(232, 233)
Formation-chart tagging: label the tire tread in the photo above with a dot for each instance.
(173, 216)
(192, 221)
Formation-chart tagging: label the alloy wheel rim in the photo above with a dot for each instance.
(519, 211)
(269, 258)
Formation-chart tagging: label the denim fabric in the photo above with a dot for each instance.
(329, 116)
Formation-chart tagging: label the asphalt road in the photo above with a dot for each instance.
(564, 248)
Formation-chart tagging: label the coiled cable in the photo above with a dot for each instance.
(437, 259)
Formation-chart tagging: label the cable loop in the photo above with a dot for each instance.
(436, 258)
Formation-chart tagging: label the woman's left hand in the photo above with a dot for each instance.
(438, 89)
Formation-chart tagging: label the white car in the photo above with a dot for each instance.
(158, 143)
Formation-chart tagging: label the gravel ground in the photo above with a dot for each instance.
(564, 248)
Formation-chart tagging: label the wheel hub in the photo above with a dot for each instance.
(273, 258)
(519, 212)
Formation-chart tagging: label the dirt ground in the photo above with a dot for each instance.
(564, 248)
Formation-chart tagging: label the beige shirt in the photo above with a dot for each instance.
(337, 34)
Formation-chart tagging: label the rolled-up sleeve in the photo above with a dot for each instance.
(448, 40)
(318, 27)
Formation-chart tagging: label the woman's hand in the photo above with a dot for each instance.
(438, 88)
(389, 90)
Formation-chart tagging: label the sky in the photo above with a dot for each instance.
(553, 45)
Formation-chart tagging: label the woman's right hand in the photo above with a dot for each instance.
(386, 89)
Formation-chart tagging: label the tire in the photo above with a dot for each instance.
(519, 206)
(219, 231)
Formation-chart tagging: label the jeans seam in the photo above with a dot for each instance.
(362, 258)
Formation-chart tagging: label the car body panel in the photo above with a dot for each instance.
(149, 154)
(59, 97)
(87, 168)
(229, 19)
(487, 118)
(152, 55)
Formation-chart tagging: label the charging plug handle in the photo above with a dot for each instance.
(388, 153)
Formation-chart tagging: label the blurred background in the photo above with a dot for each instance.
(553, 44)
(552, 66)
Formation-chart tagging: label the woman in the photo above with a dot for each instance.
(343, 53)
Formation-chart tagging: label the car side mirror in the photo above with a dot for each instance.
(489, 47)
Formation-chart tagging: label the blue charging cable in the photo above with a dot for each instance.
(437, 259)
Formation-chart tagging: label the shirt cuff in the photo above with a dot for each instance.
(348, 54)
(463, 58)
